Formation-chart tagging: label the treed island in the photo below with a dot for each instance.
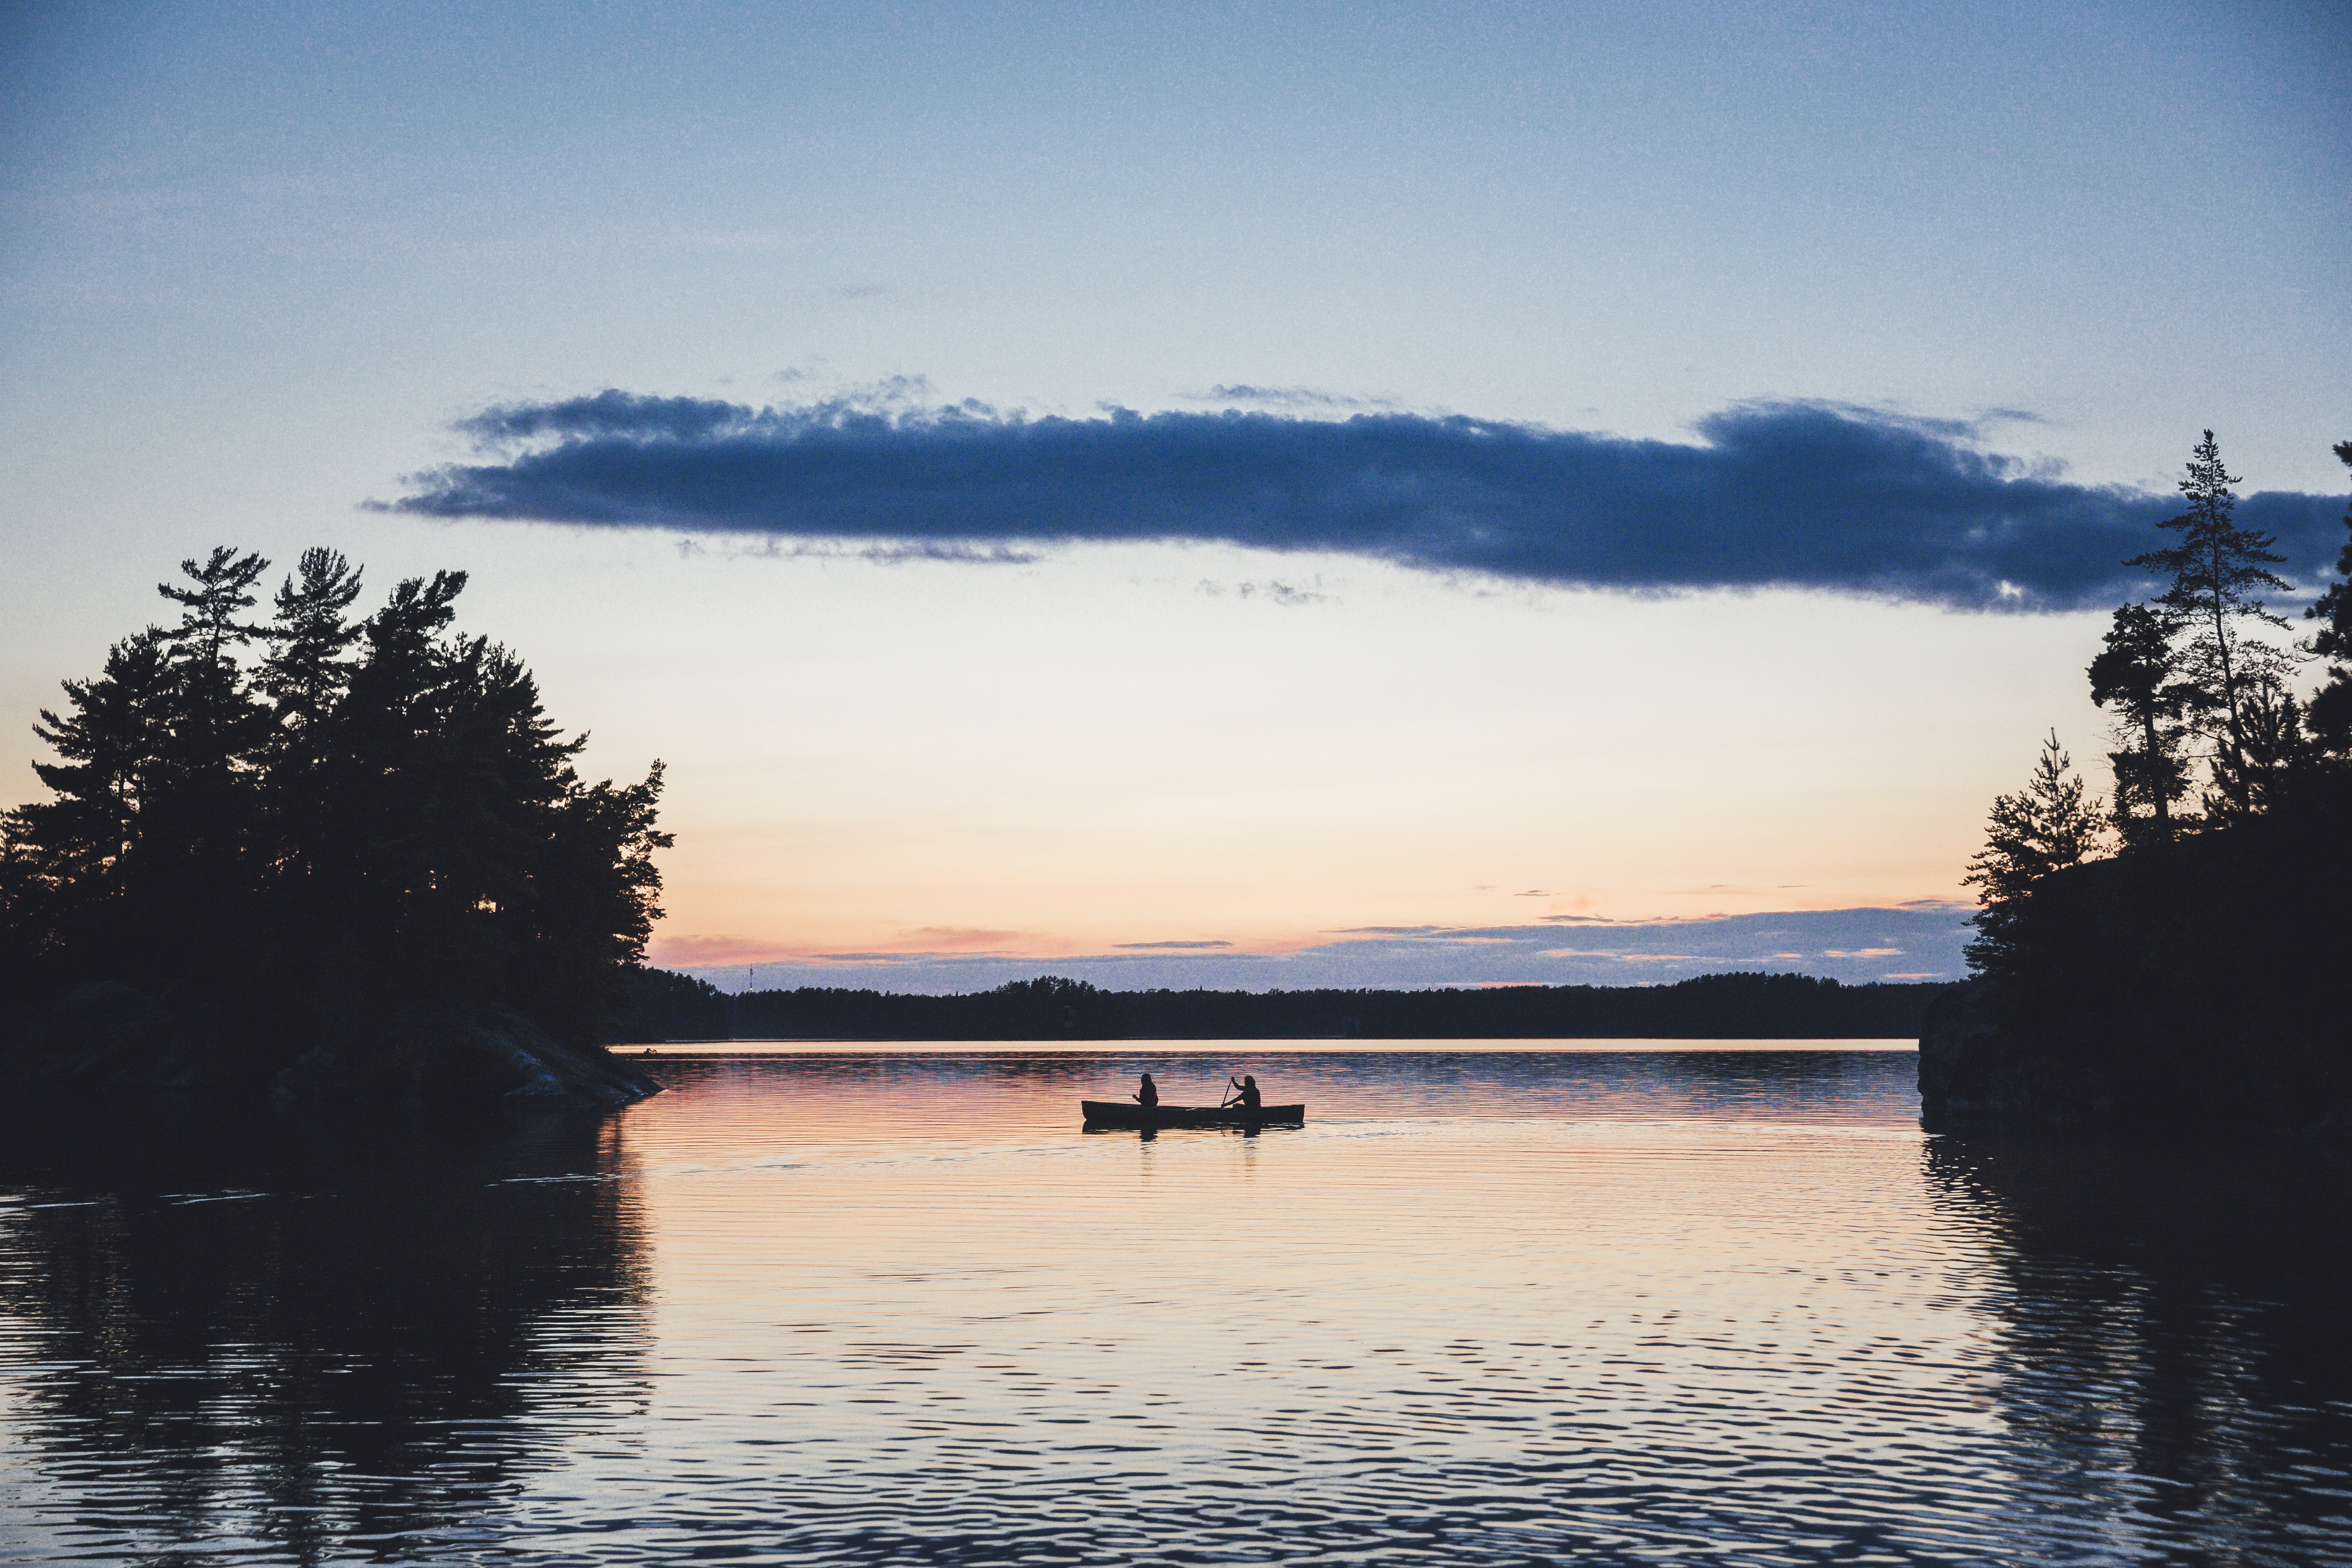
(2177, 956)
(319, 858)
(327, 858)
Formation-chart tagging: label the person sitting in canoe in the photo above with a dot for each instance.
(1250, 1099)
(1149, 1094)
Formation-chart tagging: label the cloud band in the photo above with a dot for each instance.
(1785, 495)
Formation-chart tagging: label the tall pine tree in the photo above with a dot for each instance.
(2219, 572)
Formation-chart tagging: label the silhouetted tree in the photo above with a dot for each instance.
(306, 672)
(379, 814)
(217, 709)
(2044, 828)
(200, 830)
(2331, 706)
(66, 860)
(2218, 571)
(2134, 675)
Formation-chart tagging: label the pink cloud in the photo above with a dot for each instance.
(697, 950)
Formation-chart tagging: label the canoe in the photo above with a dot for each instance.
(1126, 1114)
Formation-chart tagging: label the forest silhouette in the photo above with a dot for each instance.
(2174, 954)
(268, 833)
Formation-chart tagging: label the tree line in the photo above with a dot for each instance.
(315, 818)
(1713, 1006)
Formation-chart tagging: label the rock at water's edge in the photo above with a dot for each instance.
(1983, 1068)
(1975, 1070)
(110, 1038)
(502, 1060)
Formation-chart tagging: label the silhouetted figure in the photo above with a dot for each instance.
(1250, 1099)
(1149, 1094)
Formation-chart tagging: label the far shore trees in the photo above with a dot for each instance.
(373, 816)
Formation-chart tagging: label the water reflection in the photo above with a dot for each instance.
(882, 1092)
(878, 1309)
(230, 1337)
(2172, 1328)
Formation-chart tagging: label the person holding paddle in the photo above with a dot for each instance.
(1250, 1099)
(1149, 1095)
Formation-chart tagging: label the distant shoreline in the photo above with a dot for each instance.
(676, 1009)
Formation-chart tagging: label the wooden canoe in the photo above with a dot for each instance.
(1126, 1114)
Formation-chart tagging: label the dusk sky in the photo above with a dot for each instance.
(1244, 495)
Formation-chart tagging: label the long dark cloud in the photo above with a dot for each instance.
(1798, 495)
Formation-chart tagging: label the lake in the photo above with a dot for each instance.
(1527, 1305)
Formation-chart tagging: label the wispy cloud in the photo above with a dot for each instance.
(1287, 397)
(1276, 592)
(1184, 946)
(1791, 494)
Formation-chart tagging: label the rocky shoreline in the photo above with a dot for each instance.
(1977, 1071)
(112, 1040)
(1984, 1070)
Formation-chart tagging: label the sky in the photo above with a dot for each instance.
(1202, 494)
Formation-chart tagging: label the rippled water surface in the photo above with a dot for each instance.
(1514, 1307)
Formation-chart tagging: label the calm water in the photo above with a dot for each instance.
(1523, 1307)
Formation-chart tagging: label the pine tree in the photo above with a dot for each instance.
(2218, 571)
(202, 829)
(304, 679)
(2044, 828)
(70, 861)
(216, 713)
(2134, 673)
(2276, 744)
(306, 673)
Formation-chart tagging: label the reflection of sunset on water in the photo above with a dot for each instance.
(868, 1306)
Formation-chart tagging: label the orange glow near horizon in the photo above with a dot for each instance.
(1115, 760)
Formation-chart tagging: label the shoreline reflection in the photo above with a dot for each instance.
(2171, 1331)
(1485, 1307)
(237, 1332)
